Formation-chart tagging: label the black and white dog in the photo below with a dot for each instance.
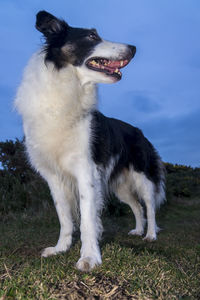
(82, 154)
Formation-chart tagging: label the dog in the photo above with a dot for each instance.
(82, 154)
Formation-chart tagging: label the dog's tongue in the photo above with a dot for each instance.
(113, 66)
(117, 64)
(107, 66)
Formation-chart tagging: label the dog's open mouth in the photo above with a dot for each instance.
(107, 66)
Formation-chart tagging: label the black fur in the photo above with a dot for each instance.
(59, 34)
(112, 138)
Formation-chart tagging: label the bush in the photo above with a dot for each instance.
(23, 189)
(20, 187)
(182, 181)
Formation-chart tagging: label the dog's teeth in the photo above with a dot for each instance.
(93, 62)
(121, 63)
(117, 71)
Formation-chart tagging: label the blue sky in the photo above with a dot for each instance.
(160, 89)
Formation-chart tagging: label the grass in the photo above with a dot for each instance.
(132, 269)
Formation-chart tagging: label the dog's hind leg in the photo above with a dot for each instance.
(62, 203)
(130, 188)
(152, 227)
(124, 193)
(145, 189)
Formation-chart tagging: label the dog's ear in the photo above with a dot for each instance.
(48, 24)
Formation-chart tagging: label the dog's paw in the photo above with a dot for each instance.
(136, 232)
(50, 251)
(86, 264)
(150, 238)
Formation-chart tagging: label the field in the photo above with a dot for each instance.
(132, 268)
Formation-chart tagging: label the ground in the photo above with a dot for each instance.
(132, 268)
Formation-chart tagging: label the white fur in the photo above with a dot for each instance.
(132, 188)
(55, 106)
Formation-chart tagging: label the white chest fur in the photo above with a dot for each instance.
(55, 107)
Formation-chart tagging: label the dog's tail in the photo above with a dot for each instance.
(160, 192)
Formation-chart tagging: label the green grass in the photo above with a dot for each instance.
(132, 269)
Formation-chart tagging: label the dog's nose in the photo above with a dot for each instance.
(132, 50)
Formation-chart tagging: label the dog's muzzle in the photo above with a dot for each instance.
(111, 67)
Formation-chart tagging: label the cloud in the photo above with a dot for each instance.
(134, 107)
(177, 139)
(141, 103)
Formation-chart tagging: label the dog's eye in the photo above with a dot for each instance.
(94, 36)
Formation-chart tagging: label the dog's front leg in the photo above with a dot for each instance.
(63, 206)
(90, 223)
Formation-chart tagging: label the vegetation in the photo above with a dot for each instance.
(131, 269)
(21, 188)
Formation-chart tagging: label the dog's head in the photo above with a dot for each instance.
(96, 60)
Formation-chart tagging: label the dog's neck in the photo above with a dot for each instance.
(53, 93)
(75, 97)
